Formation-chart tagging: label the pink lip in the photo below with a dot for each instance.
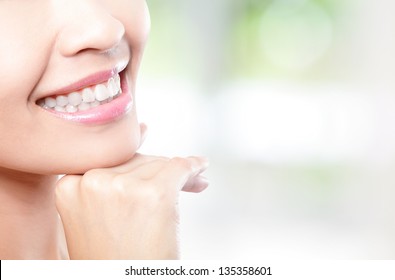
(91, 80)
(104, 113)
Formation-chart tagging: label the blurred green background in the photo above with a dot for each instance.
(292, 101)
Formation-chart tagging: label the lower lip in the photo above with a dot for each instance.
(102, 114)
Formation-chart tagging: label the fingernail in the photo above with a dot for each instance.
(205, 161)
(202, 184)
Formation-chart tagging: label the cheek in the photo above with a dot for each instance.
(24, 46)
(136, 20)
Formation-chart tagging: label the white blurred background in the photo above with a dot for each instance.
(292, 101)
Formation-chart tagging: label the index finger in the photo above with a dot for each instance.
(178, 171)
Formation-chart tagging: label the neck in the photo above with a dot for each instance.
(30, 226)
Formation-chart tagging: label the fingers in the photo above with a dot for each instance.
(137, 161)
(184, 174)
(68, 181)
(188, 168)
(196, 184)
(169, 174)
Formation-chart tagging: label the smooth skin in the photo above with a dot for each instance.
(113, 203)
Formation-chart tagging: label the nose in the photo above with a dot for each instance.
(86, 25)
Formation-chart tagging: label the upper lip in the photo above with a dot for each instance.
(93, 79)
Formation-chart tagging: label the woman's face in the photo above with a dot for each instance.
(61, 105)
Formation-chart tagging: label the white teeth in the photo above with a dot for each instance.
(85, 99)
(59, 109)
(75, 98)
(88, 95)
(112, 87)
(62, 100)
(84, 106)
(101, 93)
(50, 102)
(117, 80)
(95, 104)
(71, 109)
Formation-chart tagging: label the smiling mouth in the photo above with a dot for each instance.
(85, 98)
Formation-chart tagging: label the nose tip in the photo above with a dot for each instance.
(94, 30)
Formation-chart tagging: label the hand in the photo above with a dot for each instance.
(128, 211)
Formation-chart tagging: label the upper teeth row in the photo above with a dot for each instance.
(86, 98)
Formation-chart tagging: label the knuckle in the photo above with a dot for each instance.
(182, 163)
(59, 192)
(59, 195)
(94, 179)
(64, 191)
(120, 183)
(63, 186)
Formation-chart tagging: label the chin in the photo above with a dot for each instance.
(121, 150)
(101, 155)
(94, 161)
(86, 148)
(109, 147)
